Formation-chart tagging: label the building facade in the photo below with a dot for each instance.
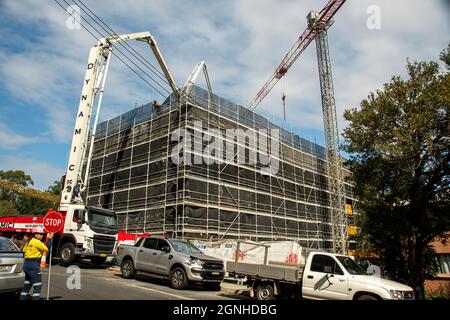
(210, 169)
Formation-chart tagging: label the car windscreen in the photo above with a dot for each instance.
(7, 246)
(182, 246)
(351, 266)
(100, 219)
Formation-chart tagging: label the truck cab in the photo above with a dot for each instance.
(89, 232)
(339, 277)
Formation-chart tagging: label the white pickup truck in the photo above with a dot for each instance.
(323, 276)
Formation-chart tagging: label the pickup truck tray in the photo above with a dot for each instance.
(290, 273)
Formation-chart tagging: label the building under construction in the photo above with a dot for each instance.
(146, 166)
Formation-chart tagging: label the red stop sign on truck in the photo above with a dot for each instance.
(53, 222)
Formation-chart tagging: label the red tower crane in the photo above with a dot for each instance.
(318, 24)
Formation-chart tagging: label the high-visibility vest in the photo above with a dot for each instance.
(34, 249)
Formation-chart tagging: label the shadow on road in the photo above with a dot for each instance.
(239, 296)
(194, 286)
(83, 264)
(12, 296)
(53, 298)
(15, 297)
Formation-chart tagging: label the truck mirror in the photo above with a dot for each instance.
(83, 217)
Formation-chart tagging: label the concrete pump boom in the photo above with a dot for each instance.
(74, 184)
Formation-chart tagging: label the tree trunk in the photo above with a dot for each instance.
(415, 267)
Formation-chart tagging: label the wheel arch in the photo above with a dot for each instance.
(126, 258)
(366, 293)
(175, 265)
(275, 285)
(66, 238)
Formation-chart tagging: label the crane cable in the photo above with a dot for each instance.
(188, 98)
(123, 43)
(283, 98)
(120, 52)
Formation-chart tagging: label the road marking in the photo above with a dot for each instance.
(127, 284)
(163, 292)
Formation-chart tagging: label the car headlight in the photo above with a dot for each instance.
(195, 262)
(89, 243)
(396, 294)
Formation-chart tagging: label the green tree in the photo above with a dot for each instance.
(12, 202)
(9, 198)
(398, 141)
(55, 188)
(445, 56)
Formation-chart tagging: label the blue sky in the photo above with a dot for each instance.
(42, 62)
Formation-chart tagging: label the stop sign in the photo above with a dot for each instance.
(53, 222)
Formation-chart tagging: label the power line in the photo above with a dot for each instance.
(142, 60)
(123, 43)
(182, 94)
(120, 59)
(124, 55)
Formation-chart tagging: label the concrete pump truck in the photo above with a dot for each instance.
(88, 232)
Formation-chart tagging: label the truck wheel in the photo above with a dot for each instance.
(264, 291)
(67, 254)
(367, 297)
(178, 279)
(127, 269)
(98, 261)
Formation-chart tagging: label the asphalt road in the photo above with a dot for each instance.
(106, 283)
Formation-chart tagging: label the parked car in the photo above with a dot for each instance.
(177, 260)
(12, 276)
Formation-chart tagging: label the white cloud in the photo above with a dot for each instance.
(241, 41)
(11, 140)
(42, 173)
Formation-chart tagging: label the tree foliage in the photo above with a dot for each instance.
(13, 203)
(398, 141)
(55, 188)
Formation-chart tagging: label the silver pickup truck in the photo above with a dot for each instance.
(177, 260)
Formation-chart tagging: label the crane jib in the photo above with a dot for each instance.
(324, 17)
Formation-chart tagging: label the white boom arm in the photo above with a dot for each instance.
(73, 183)
(201, 66)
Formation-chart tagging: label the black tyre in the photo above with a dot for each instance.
(67, 254)
(213, 286)
(178, 279)
(264, 291)
(98, 261)
(367, 297)
(127, 269)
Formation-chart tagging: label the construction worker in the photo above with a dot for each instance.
(33, 251)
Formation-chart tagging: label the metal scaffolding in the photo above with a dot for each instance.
(133, 172)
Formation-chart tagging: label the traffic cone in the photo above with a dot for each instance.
(44, 260)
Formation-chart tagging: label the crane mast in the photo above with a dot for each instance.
(318, 24)
(331, 132)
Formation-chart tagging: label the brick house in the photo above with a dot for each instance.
(441, 282)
